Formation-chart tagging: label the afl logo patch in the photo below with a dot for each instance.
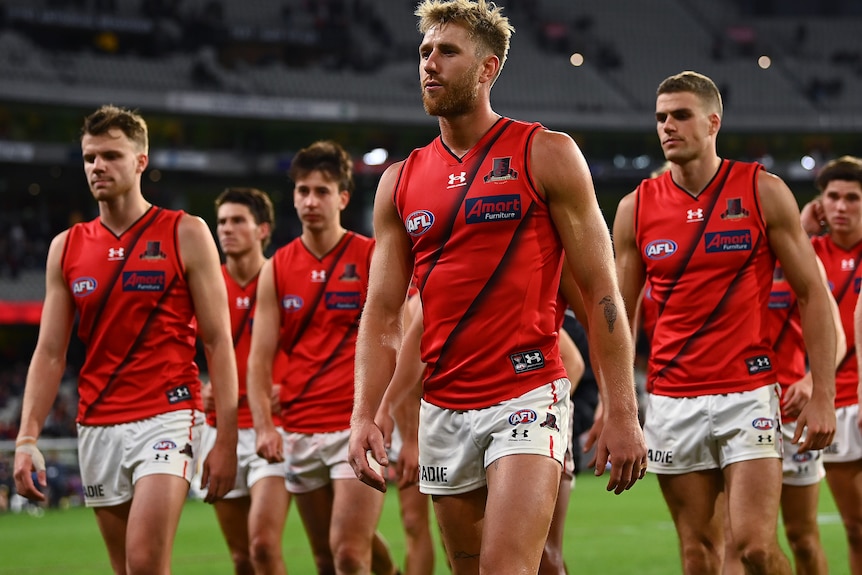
(762, 423)
(419, 222)
(660, 249)
(292, 303)
(83, 287)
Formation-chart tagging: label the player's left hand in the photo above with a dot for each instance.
(622, 443)
(796, 396)
(817, 421)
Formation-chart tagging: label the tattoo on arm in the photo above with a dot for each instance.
(610, 309)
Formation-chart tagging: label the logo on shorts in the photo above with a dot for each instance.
(803, 457)
(660, 456)
(524, 361)
(178, 394)
(550, 422)
(187, 450)
(758, 364)
(523, 416)
(763, 423)
(832, 449)
(522, 433)
(164, 445)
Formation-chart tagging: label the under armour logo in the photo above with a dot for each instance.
(160, 456)
(242, 302)
(523, 433)
(458, 179)
(764, 439)
(116, 253)
(694, 215)
(318, 275)
(531, 358)
(848, 264)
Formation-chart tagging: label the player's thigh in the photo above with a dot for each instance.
(112, 521)
(517, 519)
(460, 518)
(155, 513)
(355, 511)
(753, 498)
(691, 499)
(415, 509)
(233, 519)
(269, 504)
(799, 508)
(845, 482)
(315, 510)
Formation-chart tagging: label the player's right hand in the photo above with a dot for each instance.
(270, 445)
(28, 459)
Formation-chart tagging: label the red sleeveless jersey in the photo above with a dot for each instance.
(488, 263)
(320, 302)
(241, 302)
(785, 332)
(843, 273)
(709, 269)
(135, 319)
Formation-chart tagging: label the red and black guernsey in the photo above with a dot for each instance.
(320, 301)
(843, 271)
(709, 269)
(135, 319)
(488, 263)
(241, 301)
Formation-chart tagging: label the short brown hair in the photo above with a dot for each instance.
(484, 20)
(109, 117)
(845, 168)
(701, 86)
(258, 204)
(328, 157)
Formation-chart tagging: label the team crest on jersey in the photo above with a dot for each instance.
(292, 303)
(734, 210)
(501, 171)
(153, 252)
(144, 281)
(660, 249)
(525, 361)
(83, 287)
(729, 241)
(342, 300)
(349, 274)
(419, 222)
(492, 209)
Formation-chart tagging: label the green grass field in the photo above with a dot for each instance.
(627, 534)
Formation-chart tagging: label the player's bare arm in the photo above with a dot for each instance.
(264, 346)
(562, 175)
(45, 373)
(794, 251)
(379, 336)
(798, 394)
(209, 295)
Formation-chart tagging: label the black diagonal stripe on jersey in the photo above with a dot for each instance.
(244, 321)
(496, 278)
(285, 405)
(348, 237)
(113, 281)
(142, 335)
(785, 325)
(839, 297)
(716, 312)
(480, 159)
(686, 258)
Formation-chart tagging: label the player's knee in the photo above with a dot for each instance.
(264, 550)
(351, 558)
(701, 559)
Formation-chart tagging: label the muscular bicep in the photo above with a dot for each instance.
(787, 239)
(203, 274)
